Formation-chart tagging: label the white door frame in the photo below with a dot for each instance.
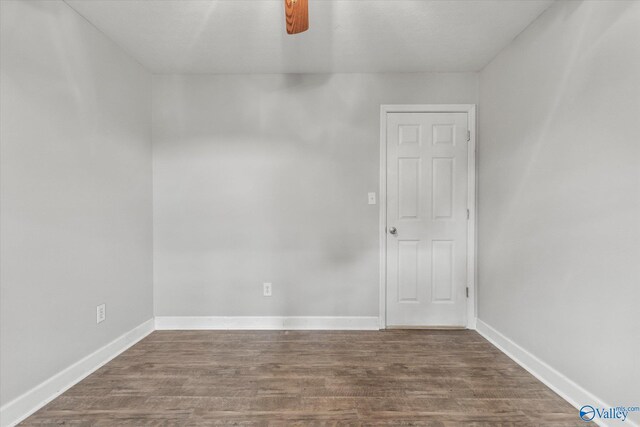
(470, 109)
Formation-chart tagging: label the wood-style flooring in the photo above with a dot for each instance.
(399, 377)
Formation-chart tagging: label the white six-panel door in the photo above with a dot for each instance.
(426, 219)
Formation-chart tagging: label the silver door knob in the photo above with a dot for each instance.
(393, 230)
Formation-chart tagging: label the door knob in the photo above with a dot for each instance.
(393, 230)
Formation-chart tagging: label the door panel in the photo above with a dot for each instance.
(426, 204)
(408, 270)
(442, 187)
(408, 188)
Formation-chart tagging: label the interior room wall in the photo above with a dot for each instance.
(264, 178)
(76, 214)
(559, 194)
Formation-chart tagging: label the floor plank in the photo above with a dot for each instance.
(399, 377)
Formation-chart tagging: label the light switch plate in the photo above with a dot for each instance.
(372, 198)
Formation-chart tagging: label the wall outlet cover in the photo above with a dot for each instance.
(101, 313)
(266, 289)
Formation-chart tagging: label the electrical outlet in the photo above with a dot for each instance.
(266, 289)
(101, 313)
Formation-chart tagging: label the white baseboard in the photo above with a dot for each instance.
(267, 322)
(471, 324)
(21, 407)
(556, 381)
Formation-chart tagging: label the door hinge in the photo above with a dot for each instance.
(468, 135)
(467, 292)
(468, 214)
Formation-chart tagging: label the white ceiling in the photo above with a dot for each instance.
(248, 36)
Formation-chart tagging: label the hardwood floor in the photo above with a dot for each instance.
(408, 377)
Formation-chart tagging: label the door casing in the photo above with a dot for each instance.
(470, 109)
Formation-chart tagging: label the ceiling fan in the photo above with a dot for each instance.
(297, 15)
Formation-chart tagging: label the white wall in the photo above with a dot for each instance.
(559, 194)
(264, 178)
(76, 192)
